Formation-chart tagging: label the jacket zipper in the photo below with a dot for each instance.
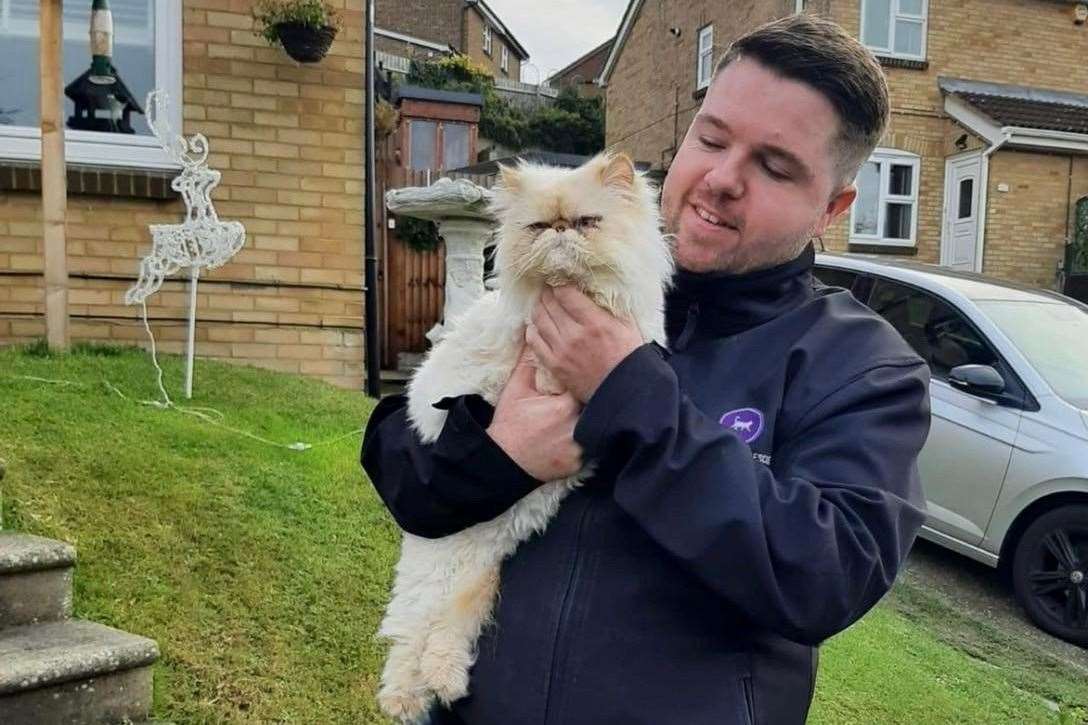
(564, 609)
(689, 327)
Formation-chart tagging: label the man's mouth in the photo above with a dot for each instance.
(711, 218)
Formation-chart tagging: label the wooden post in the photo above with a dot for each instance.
(54, 180)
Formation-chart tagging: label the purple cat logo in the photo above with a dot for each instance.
(745, 422)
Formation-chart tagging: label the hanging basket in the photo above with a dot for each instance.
(305, 43)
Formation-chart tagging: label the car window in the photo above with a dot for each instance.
(938, 332)
(835, 277)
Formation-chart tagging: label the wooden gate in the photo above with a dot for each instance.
(412, 282)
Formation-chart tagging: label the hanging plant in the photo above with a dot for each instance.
(385, 118)
(305, 28)
(418, 234)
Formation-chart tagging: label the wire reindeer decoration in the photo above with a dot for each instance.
(201, 240)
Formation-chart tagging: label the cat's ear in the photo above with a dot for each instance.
(510, 176)
(618, 173)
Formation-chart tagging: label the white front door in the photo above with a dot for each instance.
(959, 238)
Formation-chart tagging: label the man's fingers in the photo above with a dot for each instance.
(544, 320)
(521, 378)
(575, 303)
(538, 345)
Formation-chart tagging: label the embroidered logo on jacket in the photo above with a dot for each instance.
(745, 422)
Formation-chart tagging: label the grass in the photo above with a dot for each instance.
(262, 571)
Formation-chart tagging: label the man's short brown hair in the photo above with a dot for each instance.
(819, 53)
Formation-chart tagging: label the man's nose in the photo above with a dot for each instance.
(726, 176)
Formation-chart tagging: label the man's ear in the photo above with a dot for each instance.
(836, 207)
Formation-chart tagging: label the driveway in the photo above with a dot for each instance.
(970, 606)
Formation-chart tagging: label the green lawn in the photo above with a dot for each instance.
(262, 571)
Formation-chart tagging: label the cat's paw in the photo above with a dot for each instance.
(446, 674)
(406, 706)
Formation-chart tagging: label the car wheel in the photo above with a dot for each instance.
(1050, 572)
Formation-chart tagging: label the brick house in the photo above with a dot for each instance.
(288, 141)
(984, 162)
(583, 73)
(422, 28)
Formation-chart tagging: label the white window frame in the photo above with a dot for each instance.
(487, 38)
(505, 64)
(799, 6)
(886, 157)
(893, 15)
(704, 57)
(24, 143)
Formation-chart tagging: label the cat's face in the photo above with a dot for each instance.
(574, 225)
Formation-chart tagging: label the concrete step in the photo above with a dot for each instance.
(74, 673)
(35, 579)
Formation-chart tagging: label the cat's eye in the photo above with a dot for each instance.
(538, 226)
(587, 222)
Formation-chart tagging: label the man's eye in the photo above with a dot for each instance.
(776, 173)
(710, 143)
(588, 222)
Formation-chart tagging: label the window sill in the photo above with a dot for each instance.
(908, 250)
(151, 184)
(910, 63)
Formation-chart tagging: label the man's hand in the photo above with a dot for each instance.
(577, 341)
(536, 431)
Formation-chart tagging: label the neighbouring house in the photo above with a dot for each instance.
(583, 73)
(288, 141)
(422, 28)
(985, 163)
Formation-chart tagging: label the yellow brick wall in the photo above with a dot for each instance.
(1026, 225)
(288, 140)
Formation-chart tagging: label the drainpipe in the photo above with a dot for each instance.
(984, 194)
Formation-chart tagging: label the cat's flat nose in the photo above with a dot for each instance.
(560, 227)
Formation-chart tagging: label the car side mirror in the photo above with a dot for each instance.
(977, 379)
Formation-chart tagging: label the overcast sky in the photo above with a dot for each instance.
(557, 32)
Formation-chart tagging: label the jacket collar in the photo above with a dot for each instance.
(720, 303)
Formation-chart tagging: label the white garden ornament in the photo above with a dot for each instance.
(202, 240)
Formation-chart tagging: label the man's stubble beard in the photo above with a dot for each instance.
(746, 258)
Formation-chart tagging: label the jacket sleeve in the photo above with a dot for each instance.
(804, 547)
(461, 479)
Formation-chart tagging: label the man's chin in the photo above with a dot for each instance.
(695, 258)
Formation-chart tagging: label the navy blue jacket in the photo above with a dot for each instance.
(756, 493)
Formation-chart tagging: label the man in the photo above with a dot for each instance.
(756, 488)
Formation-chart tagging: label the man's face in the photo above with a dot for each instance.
(753, 180)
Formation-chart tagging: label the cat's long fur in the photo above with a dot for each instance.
(445, 588)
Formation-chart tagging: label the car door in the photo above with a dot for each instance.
(971, 438)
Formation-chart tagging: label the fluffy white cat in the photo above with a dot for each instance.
(597, 227)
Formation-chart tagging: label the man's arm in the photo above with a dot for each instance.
(434, 490)
(803, 548)
(468, 475)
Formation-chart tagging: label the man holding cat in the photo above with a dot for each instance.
(756, 488)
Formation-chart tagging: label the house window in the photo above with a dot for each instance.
(505, 65)
(454, 145)
(799, 6)
(423, 136)
(886, 208)
(487, 38)
(895, 28)
(146, 54)
(438, 145)
(704, 64)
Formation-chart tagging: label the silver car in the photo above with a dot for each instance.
(1005, 469)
